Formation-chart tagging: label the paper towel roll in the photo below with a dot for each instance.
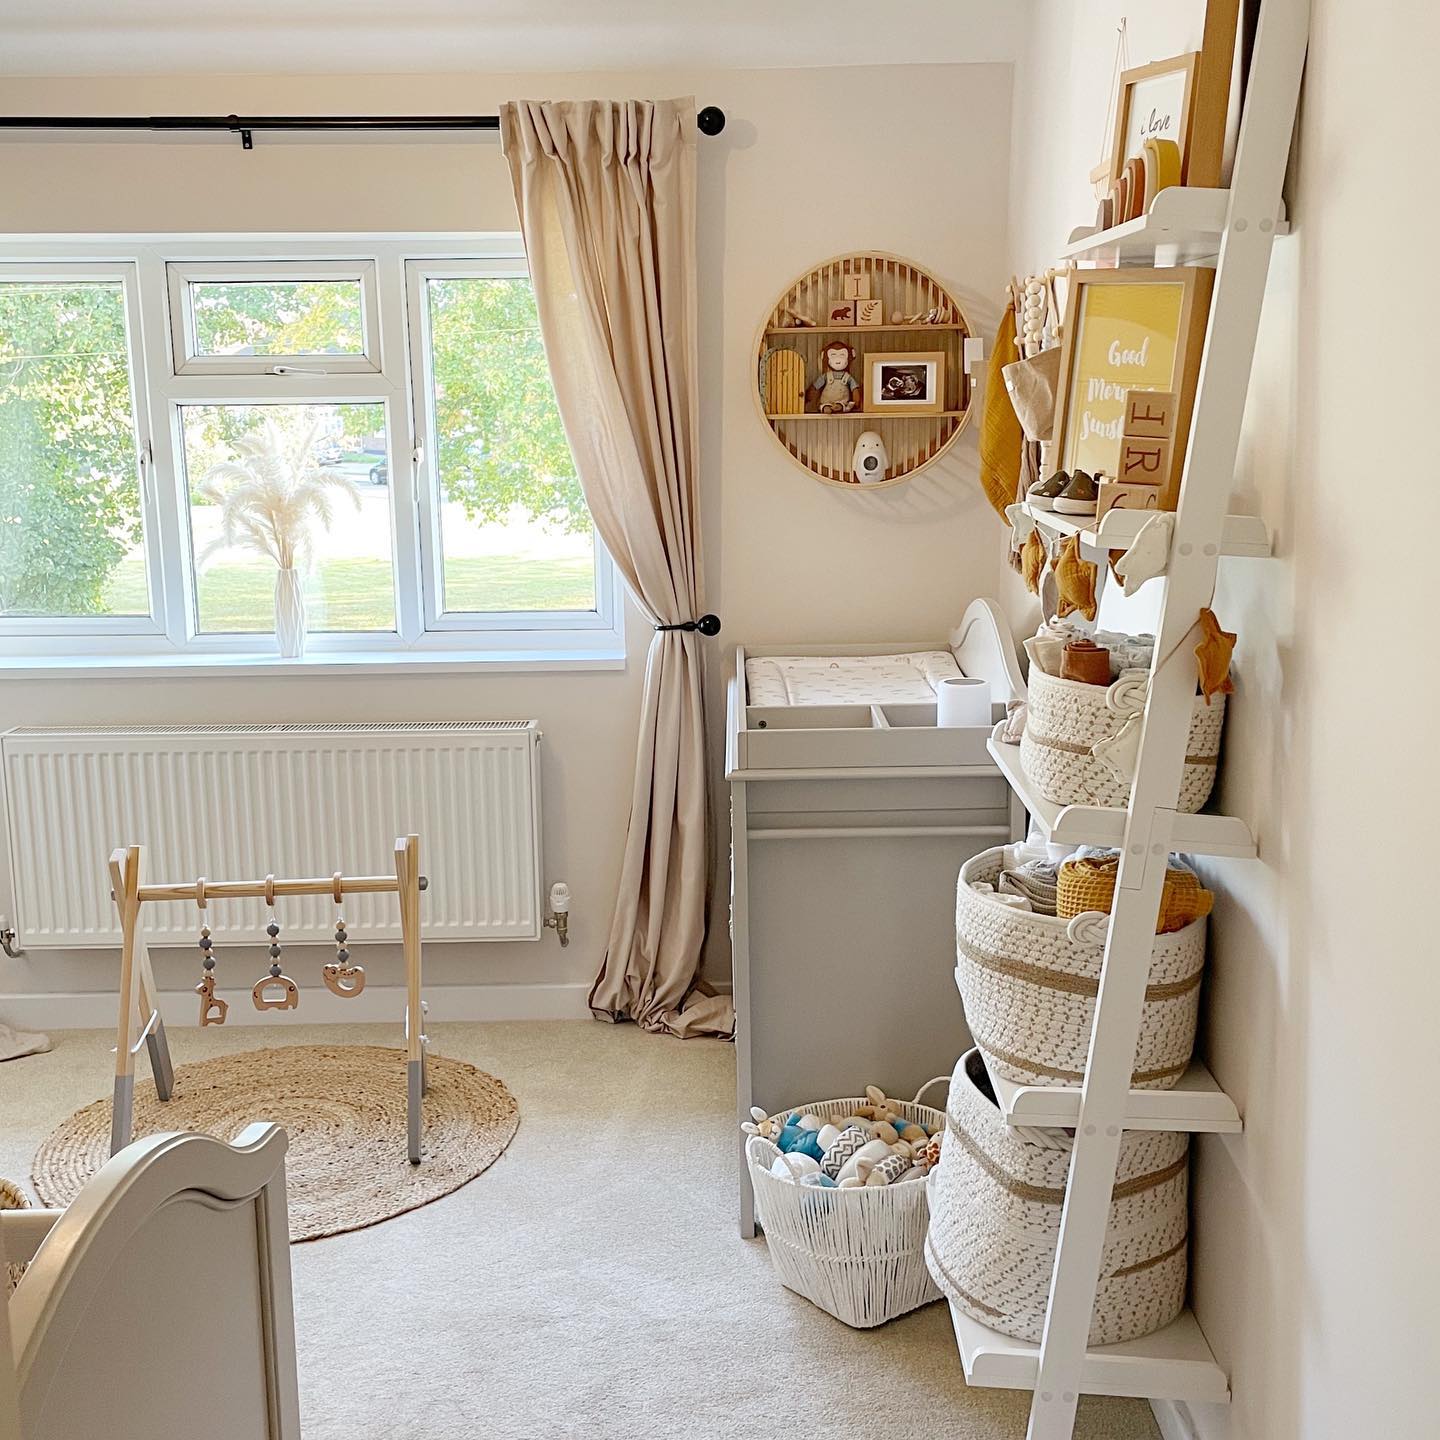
(962, 700)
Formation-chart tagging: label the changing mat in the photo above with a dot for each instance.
(847, 679)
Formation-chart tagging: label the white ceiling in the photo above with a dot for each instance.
(289, 37)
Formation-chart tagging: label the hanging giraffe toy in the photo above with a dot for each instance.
(213, 1009)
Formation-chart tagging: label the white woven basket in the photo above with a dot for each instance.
(858, 1254)
(1066, 719)
(995, 1201)
(1029, 984)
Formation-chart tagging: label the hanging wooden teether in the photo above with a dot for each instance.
(213, 1009)
(340, 976)
(263, 993)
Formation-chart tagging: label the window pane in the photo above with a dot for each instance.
(70, 524)
(515, 533)
(303, 485)
(302, 317)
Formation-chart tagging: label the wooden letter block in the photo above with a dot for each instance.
(842, 312)
(1150, 414)
(856, 286)
(869, 312)
(1114, 495)
(1144, 462)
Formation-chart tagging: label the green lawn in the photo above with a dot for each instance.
(357, 594)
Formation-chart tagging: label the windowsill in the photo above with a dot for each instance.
(333, 663)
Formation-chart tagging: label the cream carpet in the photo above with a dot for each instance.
(590, 1283)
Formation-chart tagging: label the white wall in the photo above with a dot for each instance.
(1316, 1264)
(808, 166)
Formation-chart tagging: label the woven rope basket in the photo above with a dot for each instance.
(857, 1254)
(1029, 984)
(995, 1201)
(12, 1197)
(1066, 718)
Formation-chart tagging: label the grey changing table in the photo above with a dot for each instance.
(848, 826)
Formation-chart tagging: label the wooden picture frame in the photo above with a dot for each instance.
(1168, 87)
(1112, 320)
(1210, 110)
(882, 372)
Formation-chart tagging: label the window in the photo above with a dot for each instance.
(178, 420)
(71, 522)
(510, 533)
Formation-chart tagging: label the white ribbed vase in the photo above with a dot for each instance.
(290, 625)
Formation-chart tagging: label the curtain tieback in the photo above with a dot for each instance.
(706, 625)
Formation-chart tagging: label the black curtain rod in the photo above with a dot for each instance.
(710, 120)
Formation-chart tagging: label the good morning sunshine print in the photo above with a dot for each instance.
(1127, 341)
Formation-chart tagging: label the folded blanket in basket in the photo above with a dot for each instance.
(1127, 652)
(1087, 882)
(1035, 881)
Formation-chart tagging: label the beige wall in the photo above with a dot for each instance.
(1316, 1264)
(813, 162)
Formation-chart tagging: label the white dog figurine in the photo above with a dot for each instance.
(870, 461)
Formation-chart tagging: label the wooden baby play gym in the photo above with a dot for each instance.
(139, 1021)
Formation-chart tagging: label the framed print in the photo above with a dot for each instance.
(1155, 103)
(905, 384)
(1128, 329)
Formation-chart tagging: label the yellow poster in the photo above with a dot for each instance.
(1126, 341)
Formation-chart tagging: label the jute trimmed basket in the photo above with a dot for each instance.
(995, 1201)
(1029, 984)
(1066, 719)
(857, 1254)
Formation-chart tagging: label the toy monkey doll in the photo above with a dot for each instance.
(839, 390)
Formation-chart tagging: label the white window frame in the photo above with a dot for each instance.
(432, 559)
(183, 342)
(165, 377)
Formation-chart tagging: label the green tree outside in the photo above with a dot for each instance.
(69, 484)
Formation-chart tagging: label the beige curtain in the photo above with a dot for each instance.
(606, 194)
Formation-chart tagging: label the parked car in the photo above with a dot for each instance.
(380, 473)
(328, 452)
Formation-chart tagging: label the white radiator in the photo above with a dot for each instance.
(239, 802)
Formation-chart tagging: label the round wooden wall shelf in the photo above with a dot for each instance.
(924, 394)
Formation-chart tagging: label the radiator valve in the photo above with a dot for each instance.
(558, 919)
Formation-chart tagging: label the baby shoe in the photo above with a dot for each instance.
(1079, 496)
(1043, 492)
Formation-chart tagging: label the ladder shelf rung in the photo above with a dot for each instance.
(1196, 1104)
(1221, 835)
(1183, 227)
(1244, 535)
(1175, 1363)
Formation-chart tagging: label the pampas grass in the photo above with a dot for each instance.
(273, 496)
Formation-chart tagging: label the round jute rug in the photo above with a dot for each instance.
(343, 1107)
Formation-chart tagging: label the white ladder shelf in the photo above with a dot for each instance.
(1238, 227)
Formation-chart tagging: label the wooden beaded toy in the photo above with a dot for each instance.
(340, 976)
(213, 1009)
(139, 1023)
(289, 996)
